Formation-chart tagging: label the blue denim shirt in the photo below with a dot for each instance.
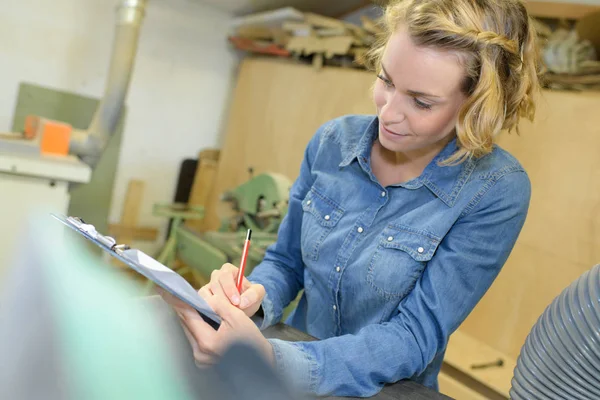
(388, 272)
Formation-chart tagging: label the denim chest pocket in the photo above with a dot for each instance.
(399, 260)
(321, 215)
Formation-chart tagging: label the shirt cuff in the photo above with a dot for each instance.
(270, 316)
(297, 367)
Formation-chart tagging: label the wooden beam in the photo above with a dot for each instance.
(549, 9)
(130, 214)
(133, 203)
(203, 184)
(136, 233)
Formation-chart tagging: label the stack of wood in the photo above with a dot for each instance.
(306, 36)
(571, 54)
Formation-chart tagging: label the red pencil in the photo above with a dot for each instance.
(240, 277)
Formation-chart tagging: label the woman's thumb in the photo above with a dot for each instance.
(254, 294)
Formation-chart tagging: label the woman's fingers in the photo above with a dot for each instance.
(203, 334)
(252, 296)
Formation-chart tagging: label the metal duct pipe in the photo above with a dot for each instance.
(561, 356)
(90, 144)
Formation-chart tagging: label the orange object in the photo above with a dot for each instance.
(54, 137)
(31, 126)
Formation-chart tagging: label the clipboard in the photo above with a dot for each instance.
(147, 266)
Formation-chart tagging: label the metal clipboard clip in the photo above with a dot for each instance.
(147, 266)
(91, 232)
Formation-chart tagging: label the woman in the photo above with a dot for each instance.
(400, 222)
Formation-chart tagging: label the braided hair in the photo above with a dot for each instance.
(497, 43)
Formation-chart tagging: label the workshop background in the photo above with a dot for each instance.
(224, 96)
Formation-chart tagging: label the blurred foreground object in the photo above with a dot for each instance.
(71, 329)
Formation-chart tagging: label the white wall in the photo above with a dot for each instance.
(178, 95)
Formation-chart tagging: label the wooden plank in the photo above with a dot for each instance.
(298, 28)
(550, 9)
(324, 32)
(204, 181)
(130, 214)
(136, 233)
(321, 21)
(255, 32)
(132, 204)
(464, 352)
(329, 46)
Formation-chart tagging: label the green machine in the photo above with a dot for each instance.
(258, 204)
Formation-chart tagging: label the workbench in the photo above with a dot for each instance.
(401, 390)
(206, 382)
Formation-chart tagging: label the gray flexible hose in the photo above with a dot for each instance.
(561, 355)
(90, 144)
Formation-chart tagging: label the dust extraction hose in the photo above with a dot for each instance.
(561, 356)
(90, 144)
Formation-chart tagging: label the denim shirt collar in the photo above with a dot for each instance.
(445, 182)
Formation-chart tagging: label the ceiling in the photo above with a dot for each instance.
(324, 7)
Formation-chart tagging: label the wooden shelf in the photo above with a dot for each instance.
(548, 9)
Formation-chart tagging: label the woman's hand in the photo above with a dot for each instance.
(208, 344)
(222, 282)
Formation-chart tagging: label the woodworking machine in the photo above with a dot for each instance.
(40, 164)
(258, 204)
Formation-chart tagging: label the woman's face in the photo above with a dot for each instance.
(418, 96)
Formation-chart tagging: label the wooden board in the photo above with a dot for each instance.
(129, 216)
(137, 233)
(204, 182)
(553, 9)
(133, 201)
(465, 351)
(276, 109)
(278, 106)
(561, 237)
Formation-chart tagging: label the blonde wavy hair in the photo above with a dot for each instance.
(497, 43)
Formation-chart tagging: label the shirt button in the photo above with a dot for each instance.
(360, 229)
(390, 238)
(338, 269)
(327, 218)
(334, 307)
(382, 194)
(420, 249)
(308, 202)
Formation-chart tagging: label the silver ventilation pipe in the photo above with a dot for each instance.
(90, 144)
(561, 356)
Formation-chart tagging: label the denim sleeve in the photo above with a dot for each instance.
(282, 271)
(465, 264)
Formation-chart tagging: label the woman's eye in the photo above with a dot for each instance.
(385, 80)
(421, 105)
